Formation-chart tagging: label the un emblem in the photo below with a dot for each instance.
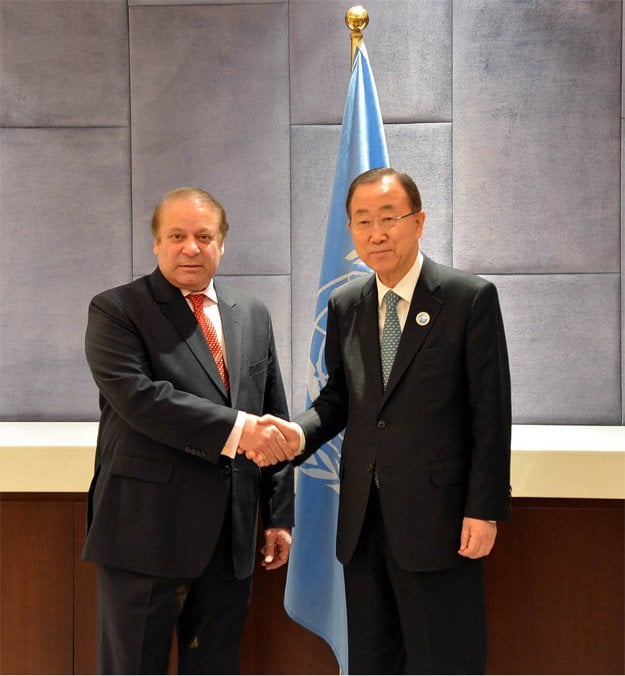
(324, 464)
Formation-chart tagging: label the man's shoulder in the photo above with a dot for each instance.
(233, 295)
(128, 290)
(352, 291)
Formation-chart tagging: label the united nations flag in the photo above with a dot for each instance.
(315, 595)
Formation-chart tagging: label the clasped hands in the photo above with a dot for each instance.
(268, 440)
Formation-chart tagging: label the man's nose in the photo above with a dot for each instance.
(191, 247)
(377, 233)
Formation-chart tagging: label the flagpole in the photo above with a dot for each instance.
(356, 19)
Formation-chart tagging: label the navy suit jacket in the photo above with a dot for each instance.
(161, 486)
(440, 432)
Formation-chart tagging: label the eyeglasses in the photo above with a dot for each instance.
(385, 223)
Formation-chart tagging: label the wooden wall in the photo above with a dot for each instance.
(555, 594)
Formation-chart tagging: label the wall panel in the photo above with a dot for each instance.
(36, 598)
(63, 63)
(536, 136)
(524, 129)
(564, 370)
(554, 605)
(65, 214)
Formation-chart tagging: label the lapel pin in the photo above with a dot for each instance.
(423, 318)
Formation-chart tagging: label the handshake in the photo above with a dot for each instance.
(268, 440)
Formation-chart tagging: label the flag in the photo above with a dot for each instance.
(315, 593)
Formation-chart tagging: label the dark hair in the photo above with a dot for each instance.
(197, 194)
(375, 175)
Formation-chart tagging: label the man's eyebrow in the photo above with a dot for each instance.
(384, 207)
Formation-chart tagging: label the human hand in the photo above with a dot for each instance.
(263, 441)
(477, 537)
(288, 433)
(277, 547)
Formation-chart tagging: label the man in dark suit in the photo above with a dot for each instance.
(426, 454)
(173, 508)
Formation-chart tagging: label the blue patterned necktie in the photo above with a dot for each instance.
(391, 333)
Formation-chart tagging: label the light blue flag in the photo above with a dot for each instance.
(315, 594)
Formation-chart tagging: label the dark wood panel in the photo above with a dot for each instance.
(555, 594)
(555, 589)
(85, 598)
(36, 587)
(272, 642)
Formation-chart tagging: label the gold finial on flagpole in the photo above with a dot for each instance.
(356, 19)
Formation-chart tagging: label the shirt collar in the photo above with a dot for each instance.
(406, 285)
(209, 291)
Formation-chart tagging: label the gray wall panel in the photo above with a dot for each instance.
(409, 46)
(63, 63)
(65, 216)
(145, 3)
(210, 108)
(536, 135)
(519, 171)
(564, 341)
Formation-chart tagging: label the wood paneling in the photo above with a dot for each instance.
(36, 587)
(272, 642)
(555, 594)
(85, 598)
(555, 589)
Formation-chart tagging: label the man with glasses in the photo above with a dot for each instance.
(418, 377)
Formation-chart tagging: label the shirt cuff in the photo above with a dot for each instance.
(232, 442)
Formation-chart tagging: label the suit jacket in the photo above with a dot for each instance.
(161, 486)
(439, 433)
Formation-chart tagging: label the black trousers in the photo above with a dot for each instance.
(138, 613)
(415, 623)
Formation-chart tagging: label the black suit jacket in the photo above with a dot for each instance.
(439, 434)
(161, 486)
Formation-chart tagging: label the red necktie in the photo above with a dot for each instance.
(210, 334)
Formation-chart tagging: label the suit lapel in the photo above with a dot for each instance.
(178, 312)
(424, 300)
(368, 332)
(232, 327)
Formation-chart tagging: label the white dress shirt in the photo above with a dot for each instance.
(404, 289)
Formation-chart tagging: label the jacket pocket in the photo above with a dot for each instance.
(137, 467)
(259, 367)
(448, 472)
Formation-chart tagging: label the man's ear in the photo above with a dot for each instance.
(420, 221)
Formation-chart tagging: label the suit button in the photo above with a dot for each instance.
(381, 424)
